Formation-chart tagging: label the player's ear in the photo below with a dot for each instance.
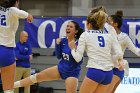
(116, 24)
(76, 31)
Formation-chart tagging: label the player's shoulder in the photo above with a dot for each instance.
(107, 35)
(63, 39)
(84, 34)
(123, 35)
(13, 8)
(108, 26)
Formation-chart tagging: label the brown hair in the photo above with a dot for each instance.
(96, 9)
(8, 3)
(97, 19)
(78, 28)
(119, 13)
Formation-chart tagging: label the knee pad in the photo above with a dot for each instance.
(8, 91)
(17, 84)
(33, 78)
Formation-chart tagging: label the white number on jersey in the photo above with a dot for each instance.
(65, 56)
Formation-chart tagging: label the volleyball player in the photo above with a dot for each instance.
(67, 69)
(125, 42)
(9, 21)
(99, 47)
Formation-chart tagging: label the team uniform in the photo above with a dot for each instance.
(67, 66)
(99, 47)
(125, 42)
(8, 26)
(109, 29)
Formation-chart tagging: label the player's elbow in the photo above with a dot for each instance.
(120, 55)
(78, 59)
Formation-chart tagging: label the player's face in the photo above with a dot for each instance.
(110, 21)
(70, 30)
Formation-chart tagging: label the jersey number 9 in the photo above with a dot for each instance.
(101, 41)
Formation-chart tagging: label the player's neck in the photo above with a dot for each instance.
(70, 39)
(118, 31)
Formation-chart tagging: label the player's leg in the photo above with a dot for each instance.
(91, 81)
(88, 86)
(7, 63)
(106, 80)
(115, 87)
(71, 85)
(8, 77)
(117, 78)
(101, 89)
(112, 84)
(45, 75)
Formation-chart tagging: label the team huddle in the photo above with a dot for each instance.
(103, 42)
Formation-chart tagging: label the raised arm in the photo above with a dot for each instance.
(21, 14)
(132, 47)
(58, 49)
(78, 52)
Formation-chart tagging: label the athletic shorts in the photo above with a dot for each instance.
(118, 73)
(7, 56)
(64, 74)
(100, 76)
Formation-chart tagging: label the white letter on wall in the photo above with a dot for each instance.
(41, 33)
(132, 31)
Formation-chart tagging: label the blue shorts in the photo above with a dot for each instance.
(7, 56)
(118, 73)
(102, 77)
(64, 74)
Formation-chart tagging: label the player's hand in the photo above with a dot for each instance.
(30, 18)
(121, 65)
(16, 59)
(58, 40)
(30, 57)
(72, 44)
